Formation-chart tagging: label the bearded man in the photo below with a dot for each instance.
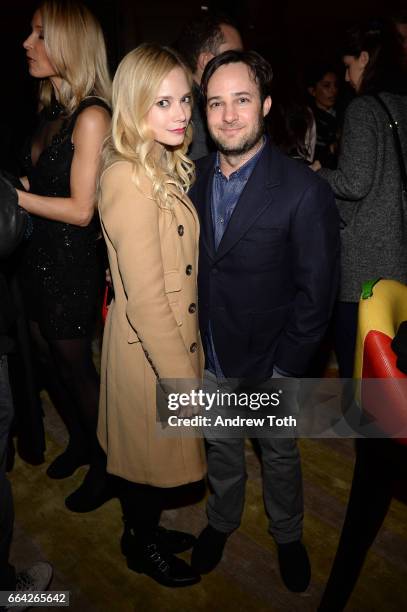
(268, 275)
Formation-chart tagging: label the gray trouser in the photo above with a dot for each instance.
(7, 573)
(282, 479)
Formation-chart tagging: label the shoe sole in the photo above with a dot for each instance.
(136, 567)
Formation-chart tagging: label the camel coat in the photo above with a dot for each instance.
(151, 329)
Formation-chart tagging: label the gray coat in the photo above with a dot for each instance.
(367, 187)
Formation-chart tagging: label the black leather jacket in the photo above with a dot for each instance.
(13, 226)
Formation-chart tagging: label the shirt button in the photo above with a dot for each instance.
(221, 220)
(188, 270)
(193, 348)
(181, 230)
(192, 308)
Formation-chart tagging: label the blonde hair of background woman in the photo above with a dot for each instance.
(75, 46)
(135, 87)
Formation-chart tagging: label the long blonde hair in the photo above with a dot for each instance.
(135, 87)
(76, 48)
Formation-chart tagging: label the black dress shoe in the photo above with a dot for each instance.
(67, 463)
(168, 540)
(95, 491)
(295, 568)
(163, 567)
(208, 550)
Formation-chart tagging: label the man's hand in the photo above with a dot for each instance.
(187, 411)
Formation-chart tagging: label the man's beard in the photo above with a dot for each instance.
(246, 144)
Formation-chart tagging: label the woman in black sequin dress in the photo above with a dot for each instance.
(61, 272)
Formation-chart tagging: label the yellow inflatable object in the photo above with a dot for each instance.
(382, 308)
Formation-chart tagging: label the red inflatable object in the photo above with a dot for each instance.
(384, 400)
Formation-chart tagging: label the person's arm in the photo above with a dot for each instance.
(90, 130)
(130, 220)
(315, 265)
(353, 178)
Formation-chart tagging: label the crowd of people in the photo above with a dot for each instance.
(229, 268)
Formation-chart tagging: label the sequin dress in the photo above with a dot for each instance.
(61, 271)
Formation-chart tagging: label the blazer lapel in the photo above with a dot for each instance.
(254, 199)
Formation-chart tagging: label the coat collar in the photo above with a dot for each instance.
(255, 198)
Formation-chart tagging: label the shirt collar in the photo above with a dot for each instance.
(243, 173)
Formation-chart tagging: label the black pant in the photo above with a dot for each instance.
(7, 573)
(345, 323)
(380, 464)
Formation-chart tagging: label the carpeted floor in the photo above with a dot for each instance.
(85, 553)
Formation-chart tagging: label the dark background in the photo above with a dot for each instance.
(290, 33)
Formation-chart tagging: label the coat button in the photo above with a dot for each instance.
(193, 347)
(214, 270)
(192, 308)
(188, 270)
(181, 230)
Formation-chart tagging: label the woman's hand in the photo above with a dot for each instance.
(25, 183)
(316, 166)
(108, 278)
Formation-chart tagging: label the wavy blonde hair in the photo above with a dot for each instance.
(75, 46)
(135, 87)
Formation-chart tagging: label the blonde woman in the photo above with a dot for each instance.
(60, 269)
(151, 334)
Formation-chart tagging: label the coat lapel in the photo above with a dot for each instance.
(184, 199)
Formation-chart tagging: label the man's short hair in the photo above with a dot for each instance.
(203, 35)
(259, 68)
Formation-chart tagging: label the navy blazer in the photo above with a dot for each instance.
(269, 289)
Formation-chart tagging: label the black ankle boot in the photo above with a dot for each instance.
(163, 567)
(168, 540)
(67, 463)
(96, 489)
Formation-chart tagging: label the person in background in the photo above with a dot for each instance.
(198, 43)
(291, 123)
(368, 183)
(14, 224)
(322, 86)
(399, 21)
(61, 272)
(151, 336)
